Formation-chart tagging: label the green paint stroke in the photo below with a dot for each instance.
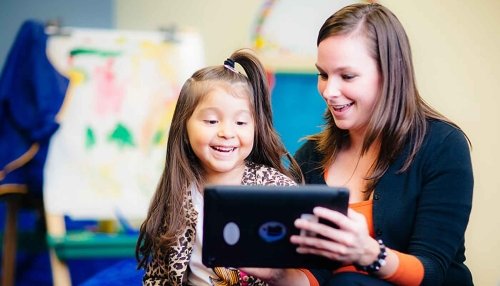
(89, 138)
(122, 136)
(101, 53)
(158, 137)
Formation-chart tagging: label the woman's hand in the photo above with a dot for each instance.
(349, 243)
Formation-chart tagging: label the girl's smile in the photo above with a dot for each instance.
(221, 132)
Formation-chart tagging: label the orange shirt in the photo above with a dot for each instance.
(410, 270)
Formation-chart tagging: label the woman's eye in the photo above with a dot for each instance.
(241, 123)
(210, 121)
(348, 76)
(323, 76)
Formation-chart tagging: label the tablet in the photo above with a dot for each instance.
(250, 226)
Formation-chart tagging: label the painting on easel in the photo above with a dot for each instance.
(108, 154)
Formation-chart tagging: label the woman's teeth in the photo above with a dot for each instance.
(342, 107)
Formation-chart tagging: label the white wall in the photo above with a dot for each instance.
(456, 48)
(224, 25)
(89, 14)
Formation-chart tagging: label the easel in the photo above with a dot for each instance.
(65, 244)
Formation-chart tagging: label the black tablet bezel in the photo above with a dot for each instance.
(249, 207)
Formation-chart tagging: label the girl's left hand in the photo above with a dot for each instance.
(278, 277)
(349, 243)
(266, 274)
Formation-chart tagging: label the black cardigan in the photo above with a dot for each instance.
(425, 210)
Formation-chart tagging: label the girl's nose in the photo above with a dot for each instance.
(226, 131)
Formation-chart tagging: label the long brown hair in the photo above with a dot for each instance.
(400, 115)
(166, 218)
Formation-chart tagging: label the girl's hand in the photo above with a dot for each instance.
(265, 274)
(277, 277)
(349, 243)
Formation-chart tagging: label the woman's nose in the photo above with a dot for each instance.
(331, 89)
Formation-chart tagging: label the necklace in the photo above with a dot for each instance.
(353, 171)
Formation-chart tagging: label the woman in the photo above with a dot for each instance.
(407, 167)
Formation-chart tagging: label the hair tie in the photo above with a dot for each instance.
(229, 64)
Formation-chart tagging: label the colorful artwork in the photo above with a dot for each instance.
(285, 32)
(108, 154)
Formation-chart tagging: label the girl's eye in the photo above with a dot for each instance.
(323, 76)
(241, 123)
(210, 121)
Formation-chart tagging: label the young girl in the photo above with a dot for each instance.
(221, 133)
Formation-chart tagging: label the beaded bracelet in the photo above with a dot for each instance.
(378, 263)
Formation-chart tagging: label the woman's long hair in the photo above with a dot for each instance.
(400, 115)
(166, 218)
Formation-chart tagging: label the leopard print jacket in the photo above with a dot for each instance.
(171, 268)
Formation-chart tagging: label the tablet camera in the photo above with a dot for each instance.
(231, 233)
(272, 231)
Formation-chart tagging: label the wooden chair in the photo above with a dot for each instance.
(63, 245)
(12, 194)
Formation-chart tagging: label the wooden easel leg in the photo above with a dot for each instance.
(10, 242)
(60, 271)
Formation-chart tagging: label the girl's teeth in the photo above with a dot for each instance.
(224, 149)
